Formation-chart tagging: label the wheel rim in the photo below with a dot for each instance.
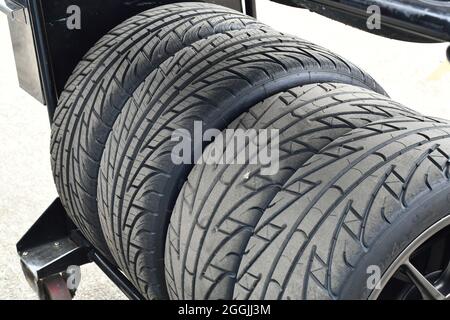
(422, 270)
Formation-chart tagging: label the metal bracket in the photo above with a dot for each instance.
(13, 10)
(52, 245)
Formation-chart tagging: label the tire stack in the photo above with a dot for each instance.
(353, 165)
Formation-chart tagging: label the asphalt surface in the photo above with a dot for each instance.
(414, 74)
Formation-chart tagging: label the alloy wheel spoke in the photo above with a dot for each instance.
(445, 276)
(426, 288)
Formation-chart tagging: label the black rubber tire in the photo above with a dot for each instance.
(212, 81)
(220, 205)
(358, 203)
(103, 82)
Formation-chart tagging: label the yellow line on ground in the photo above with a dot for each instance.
(440, 72)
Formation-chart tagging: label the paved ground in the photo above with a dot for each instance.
(416, 75)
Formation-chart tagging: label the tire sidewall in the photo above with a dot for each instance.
(424, 212)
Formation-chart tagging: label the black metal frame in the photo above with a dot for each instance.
(48, 82)
(54, 243)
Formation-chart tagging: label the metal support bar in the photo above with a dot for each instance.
(250, 8)
(407, 20)
(48, 82)
(117, 277)
(13, 10)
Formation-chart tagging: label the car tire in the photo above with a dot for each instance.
(212, 81)
(220, 205)
(354, 206)
(102, 83)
